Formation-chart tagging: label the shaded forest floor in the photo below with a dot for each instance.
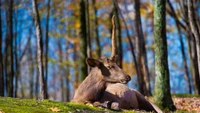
(14, 105)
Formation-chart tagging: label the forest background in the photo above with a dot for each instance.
(73, 30)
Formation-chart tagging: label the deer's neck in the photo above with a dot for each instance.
(94, 85)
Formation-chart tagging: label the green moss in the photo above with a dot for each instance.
(16, 105)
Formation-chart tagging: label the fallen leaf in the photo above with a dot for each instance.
(55, 109)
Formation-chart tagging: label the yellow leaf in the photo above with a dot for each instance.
(55, 109)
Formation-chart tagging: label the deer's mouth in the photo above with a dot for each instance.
(124, 81)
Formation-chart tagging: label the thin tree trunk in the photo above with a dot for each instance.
(47, 48)
(31, 68)
(37, 83)
(118, 32)
(9, 52)
(1, 59)
(76, 83)
(141, 52)
(61, 69)
(162, 95)
(182, 47)
(67, 76)
(16, 56)
(96, 29)
(83, 36)
(89, 48)
(40, 50)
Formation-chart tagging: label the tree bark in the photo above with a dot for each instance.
(40, 50)
(47, 48)
(141, 53)
(9, 52)
(61, 70)
(1, 59)
(67, 77)
(162, 96)
(83, 36)
(87, 14)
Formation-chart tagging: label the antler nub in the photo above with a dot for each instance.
(113, 38)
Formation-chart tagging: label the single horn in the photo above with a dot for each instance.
(113, 38)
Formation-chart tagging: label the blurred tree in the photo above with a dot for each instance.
(1, 58)
(83, 37)
(195, 27)
(39, 50)
(61, 69)
(162, 96)
(182, 46)
(9, 51)
(87, 14)
(47, 48)
(144, 79)
(96, 36)
(67, 77)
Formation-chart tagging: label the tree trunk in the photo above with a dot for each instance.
(118, 32)
(141, 53)
(87, 14)
(1, 59)
(47, 48)
(83, 36)
(162, 96)
(96, 29)
(61, 70)
(40, 50)
(195, 30)
(76, 83)
(182, 48)
(9, 52)
(67, 76)
(31, 67)
(16, 56)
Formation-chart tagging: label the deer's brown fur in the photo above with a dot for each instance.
(104, 71)
(128, 98)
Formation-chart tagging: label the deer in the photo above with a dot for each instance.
(105, 85)
(104, 70)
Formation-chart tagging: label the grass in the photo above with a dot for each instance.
(16, 105)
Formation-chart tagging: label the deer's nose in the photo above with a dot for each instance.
(128, 78)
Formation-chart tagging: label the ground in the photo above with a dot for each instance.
(186, 104)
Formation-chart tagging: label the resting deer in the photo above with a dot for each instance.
(104, 71)
(103, 84)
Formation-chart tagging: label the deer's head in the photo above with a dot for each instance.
(109, 70)
(108, 67)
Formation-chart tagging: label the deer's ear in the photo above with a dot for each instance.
(115, 58)
(93, 62)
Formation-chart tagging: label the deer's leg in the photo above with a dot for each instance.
(107, 104)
